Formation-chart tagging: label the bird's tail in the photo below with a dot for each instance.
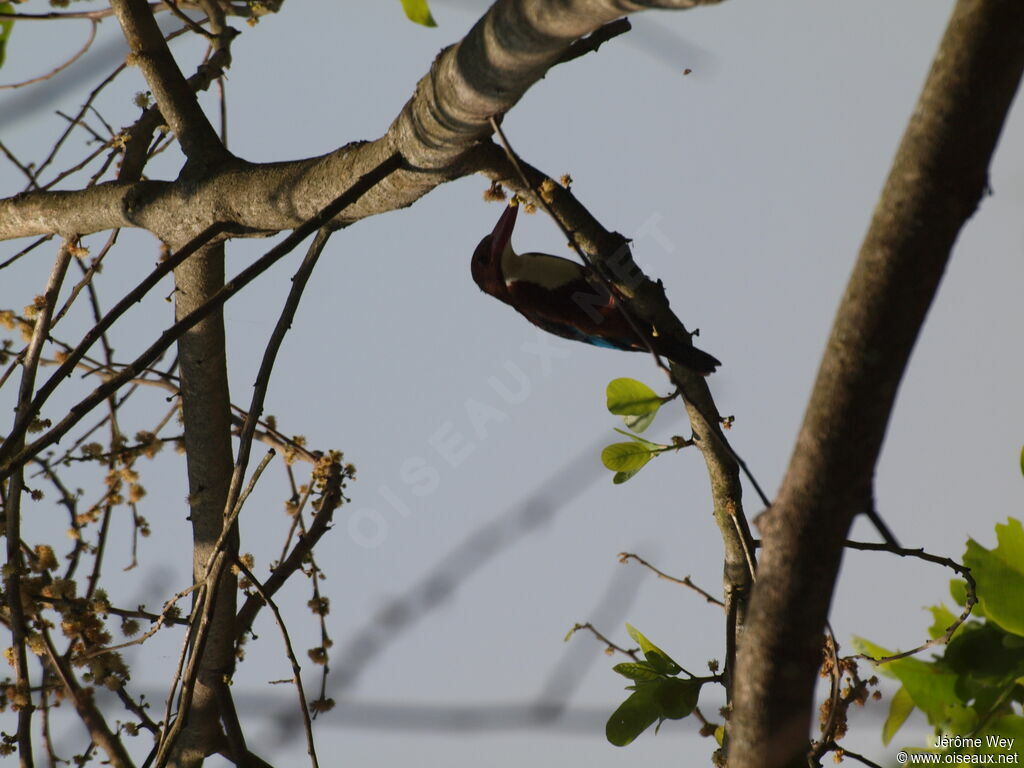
(687, 356)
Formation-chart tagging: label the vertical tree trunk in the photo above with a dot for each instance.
(206, 406)
(938, 177)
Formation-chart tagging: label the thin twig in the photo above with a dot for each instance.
(91, 98)
(319, 605)
(27, 249)
(88, 276)
(158, 620)
(86, 708)
(78, 411)
(77, 167)
(1009, 687)
(284, 322)
(15, 562)
(828, 730)
(65, 65)
(296, 517)
(962, 570)
(222, 100)
(296, 670)
(858, 757)
(124, 613)
(137, 709)
(172, 726)
(97, 331)
(329, 501)
(44, 716)
(686, 582)
(632, 653)
(173, 7)
(116, 439)
(17, 164)
(204, 606)
(88, 128)
(110, 129)
(231, 519)
(595, 40)
(58, 15)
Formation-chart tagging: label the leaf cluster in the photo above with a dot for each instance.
(658, 694)
(637, 404)
(975, 689)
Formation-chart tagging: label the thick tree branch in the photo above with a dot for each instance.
(140, 134)
(206, 410)
(177, 101)
(9, 462)
(506, 52)
(937, 179)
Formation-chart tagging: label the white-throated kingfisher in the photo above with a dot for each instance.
(565, 298)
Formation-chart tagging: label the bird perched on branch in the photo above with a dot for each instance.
(567, 299)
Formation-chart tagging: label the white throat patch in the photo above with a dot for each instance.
(540, 268)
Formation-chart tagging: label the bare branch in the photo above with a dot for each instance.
(86, 708)
(330, 500)
(686, 582)
(592, 42)
(169, 336)
(969, 602)
(610, 647)
(177, 101)
(936, 182)
(506, 52)
(296, 670)
(15, 563)
(284, 323)
(59, 68)
(97, 331)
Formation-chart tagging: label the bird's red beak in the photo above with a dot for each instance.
(502, 233)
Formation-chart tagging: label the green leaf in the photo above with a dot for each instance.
(981, 651)
(657, 658)
(899, 710)
(620, 477)
(999, 574)
(653, 447)
(1013, 641)
(639, 423)
(865, 646)
(651, 701)
(636, 670)
(634, 401)
(943, 619)
(625, 457)
(6, 25)
(419, 12)
(677, 698)
(958, 591)
(1009, 726)
(931, 687)
(634, 716)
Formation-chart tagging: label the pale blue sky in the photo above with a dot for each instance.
(753, 178)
